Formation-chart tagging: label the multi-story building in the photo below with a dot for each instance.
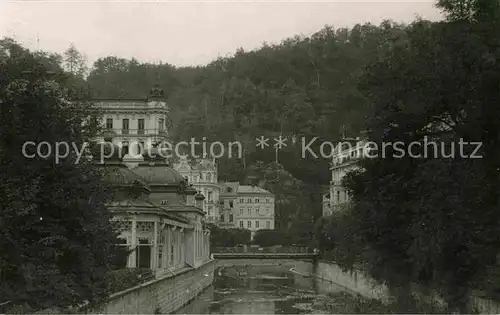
(254, 208)
(202, 174)
(346, 158)
(157, 215)
(134, 124)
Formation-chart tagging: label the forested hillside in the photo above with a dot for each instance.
(302, 87)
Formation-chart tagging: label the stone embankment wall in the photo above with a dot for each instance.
(357, 282)
(164, 295)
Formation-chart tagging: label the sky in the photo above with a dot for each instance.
(186, 33)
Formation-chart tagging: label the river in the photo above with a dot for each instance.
(269, 290)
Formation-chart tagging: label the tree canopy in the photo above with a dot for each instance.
(57, 242)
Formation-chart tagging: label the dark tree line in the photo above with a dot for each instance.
(430, 221)
(56, 243)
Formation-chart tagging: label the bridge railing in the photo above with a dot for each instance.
(263, 250)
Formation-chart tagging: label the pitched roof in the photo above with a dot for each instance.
(232, 185)
(245, 189)
(137, 205)
(182, 208)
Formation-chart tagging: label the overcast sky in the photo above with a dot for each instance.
(185, 32)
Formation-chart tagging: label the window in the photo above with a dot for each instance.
(209, 177)
(267, 200)
(338, 195)
(268, 225)
(249, 200)
(109, 123)
(231, 217)
(241, 224)
(267, 210)
(209, 196)
(257, 224)
(229, 189)
(256, 211)
(140, 126)
(257, 200)
(249, 224)
(164, 202)
(222, 217)
(209, 210)
(241, 211)
(241, 200)
(249, 211)
(161, 124)
(231, 205)
(125, 126)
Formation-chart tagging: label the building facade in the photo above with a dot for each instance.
(347, 155)
(134, 124)
(254, 209)
(157, 214)
(203, 175)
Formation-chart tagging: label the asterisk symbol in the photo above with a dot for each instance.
(280, 142)
(262, 142)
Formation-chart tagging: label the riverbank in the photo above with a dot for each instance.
(362, 285)
(164, 295)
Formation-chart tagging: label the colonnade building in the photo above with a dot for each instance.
(158, 215)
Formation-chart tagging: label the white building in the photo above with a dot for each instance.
(157, 215)
(346, 158)
(134, 124)
(254, 209)
(202, 174)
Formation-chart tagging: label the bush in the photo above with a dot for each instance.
(119, 280)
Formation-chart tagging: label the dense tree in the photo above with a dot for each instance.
(75, 62)
(57, 242)
(228, 237)
(432, 220)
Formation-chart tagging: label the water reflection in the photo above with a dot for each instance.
(260, 290)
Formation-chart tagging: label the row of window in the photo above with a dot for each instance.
(257, 200)
(140, 123)
(257, 224)
(257, 211)
(207, 177)
(346, 196)
(222, 218)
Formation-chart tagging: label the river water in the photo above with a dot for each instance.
(267, 290)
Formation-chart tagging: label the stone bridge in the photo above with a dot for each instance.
(244, 252)
(261, 262)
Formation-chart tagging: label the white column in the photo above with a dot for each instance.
(174, 243)
(165, 248)
(133, 243)
(183, 247)
(195, 243)
(154, 262)
(178, 248)
(167, 252)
